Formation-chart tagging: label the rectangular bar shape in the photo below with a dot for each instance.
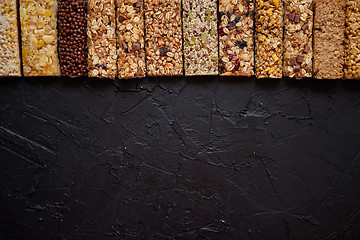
(329, 36)
(298, 50)
(269, 38)
(200, 37)
(352, 44)
(101, 40)
(236, 37)
(9, 39)
(163, 38)
(130, 38)
(39, 37)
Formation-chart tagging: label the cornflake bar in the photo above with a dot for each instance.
(200, 37)
(39, 37)
(329, 36)
(352, 67)
(298, 38)
(269, 33)
(130, 38)
(163, 37)
(236, 37)
(9, 41)
(101, 39)
(72, 37)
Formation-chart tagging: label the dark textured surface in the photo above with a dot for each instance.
(210, 158)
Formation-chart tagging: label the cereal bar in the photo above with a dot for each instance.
(236, 37)
(352, 44)
(39, 37)
(200, 37)
(163, 37)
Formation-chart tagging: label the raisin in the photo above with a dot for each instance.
(241, 44)
(163, 51)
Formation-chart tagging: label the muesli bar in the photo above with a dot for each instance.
(236, 37)
(200, 37)
(39, 37)
(163, 38)
(269, 34)
(101, 39)
(298, 38)
(130, 38)
(352, 44)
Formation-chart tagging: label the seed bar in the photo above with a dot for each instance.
(352, 44)
(101, 39)
(130, 38)
(269, 34)
(39, 37)
(236, 37)
(329, 36)
(72, 37)
(200, 37)
(163, 38)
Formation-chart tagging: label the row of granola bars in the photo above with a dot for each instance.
(135, 38)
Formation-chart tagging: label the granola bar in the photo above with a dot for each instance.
(101, 38)
(298, 38)
(39, 37)
(9, 41)
(352, 44)
(329, 36)
(130, 38)
(200, 37)
(269, 34)
(163, 38)
(236, 37)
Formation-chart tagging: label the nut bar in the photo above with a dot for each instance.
(163, 37)
(9, 41)
(298, 38)
(130, 38)
(200, 37)
(329, 36)
(269, 34)
(352, 44)
(236, 37)
(72, 37)
(101, 39)
(39, 37)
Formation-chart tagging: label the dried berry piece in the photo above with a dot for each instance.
(242, 43)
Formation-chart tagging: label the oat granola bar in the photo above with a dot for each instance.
(200, 37)
(101, 39)
(9, 41)
(163, 38)
(298, 38)
(329, 36)
(236, 37)
(39, 37)
(269, 34)
(352, 44)
(130, 38)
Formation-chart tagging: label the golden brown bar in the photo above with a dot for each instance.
(352, 44)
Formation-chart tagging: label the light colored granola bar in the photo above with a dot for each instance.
(130, 38)
(9, 41)
(236, 37)
(269, 34)
(298, 51)
(163, 38)
(101, 39)
(39, 37)
(200, 37)
(352, 46)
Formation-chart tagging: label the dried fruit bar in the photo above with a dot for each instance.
(72, 37)
(329, 36)
(200, 37)
(298, 38)
(130, 38)
(163, 38)
(39, 37)
(101, 38)
(352, 44)
(9, 40)
(236, 37)
(269, 34)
